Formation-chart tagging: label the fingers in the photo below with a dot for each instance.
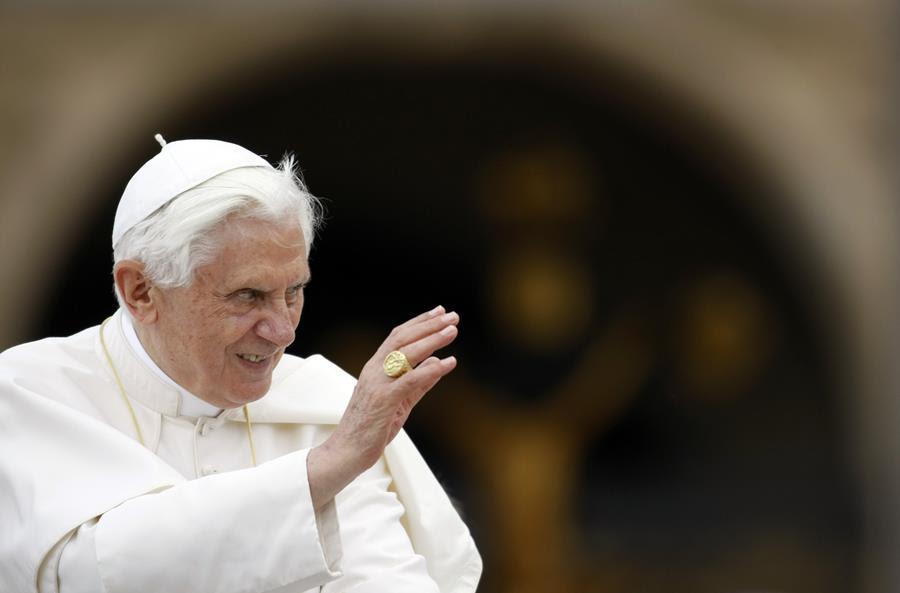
(421, 327)
(421, 349)
(427, 315)
(421, 379)
(402, 328)
(418, 339)
(437, 366)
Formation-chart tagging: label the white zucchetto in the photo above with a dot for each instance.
(179, 166)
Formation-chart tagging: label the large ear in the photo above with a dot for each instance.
(136, 291)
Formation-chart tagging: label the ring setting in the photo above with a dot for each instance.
(396, 364)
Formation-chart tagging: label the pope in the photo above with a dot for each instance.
(177, 447)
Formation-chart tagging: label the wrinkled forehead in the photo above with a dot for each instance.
(240, 228)
(252, 248)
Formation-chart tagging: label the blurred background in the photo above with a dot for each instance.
(670, 229)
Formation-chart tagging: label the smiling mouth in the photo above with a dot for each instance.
(255, 358)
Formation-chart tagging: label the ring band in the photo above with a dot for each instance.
(396, 365)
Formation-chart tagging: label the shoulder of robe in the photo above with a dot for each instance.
(66, 370)
(305, 390)
(64, 467)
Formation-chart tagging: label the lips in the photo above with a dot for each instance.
(257, 363)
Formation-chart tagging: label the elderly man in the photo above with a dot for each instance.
(176, 447)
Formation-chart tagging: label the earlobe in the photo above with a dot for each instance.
(136, 291)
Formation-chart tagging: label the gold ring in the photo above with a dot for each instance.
(396, 365)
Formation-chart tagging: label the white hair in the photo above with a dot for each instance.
(178, 238)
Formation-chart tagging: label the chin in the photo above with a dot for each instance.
(250, 394)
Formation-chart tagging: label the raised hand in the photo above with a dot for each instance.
(380, 404)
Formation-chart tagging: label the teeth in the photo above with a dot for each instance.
(251, 357)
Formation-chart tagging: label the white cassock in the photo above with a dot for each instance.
(85, 507)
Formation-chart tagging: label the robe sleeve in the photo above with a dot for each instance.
(370, 512)
(247, 531)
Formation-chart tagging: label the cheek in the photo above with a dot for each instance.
(187, 330)
(240, 327)
(220, 329)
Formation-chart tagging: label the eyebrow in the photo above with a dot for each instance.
(246, 284)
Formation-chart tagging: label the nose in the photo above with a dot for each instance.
(277, 326)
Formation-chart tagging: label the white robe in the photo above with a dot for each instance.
(188, 512)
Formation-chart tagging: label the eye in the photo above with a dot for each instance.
(247, 294)
(293, 293)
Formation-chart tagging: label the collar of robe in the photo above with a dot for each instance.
(127, 400)
(189, 404)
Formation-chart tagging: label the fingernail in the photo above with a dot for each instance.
(450, 316)
(436, 310)
(448, 330)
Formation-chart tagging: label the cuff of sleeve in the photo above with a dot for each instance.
(327, 527)
(330, 537)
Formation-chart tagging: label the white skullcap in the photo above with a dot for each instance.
(178, 167)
